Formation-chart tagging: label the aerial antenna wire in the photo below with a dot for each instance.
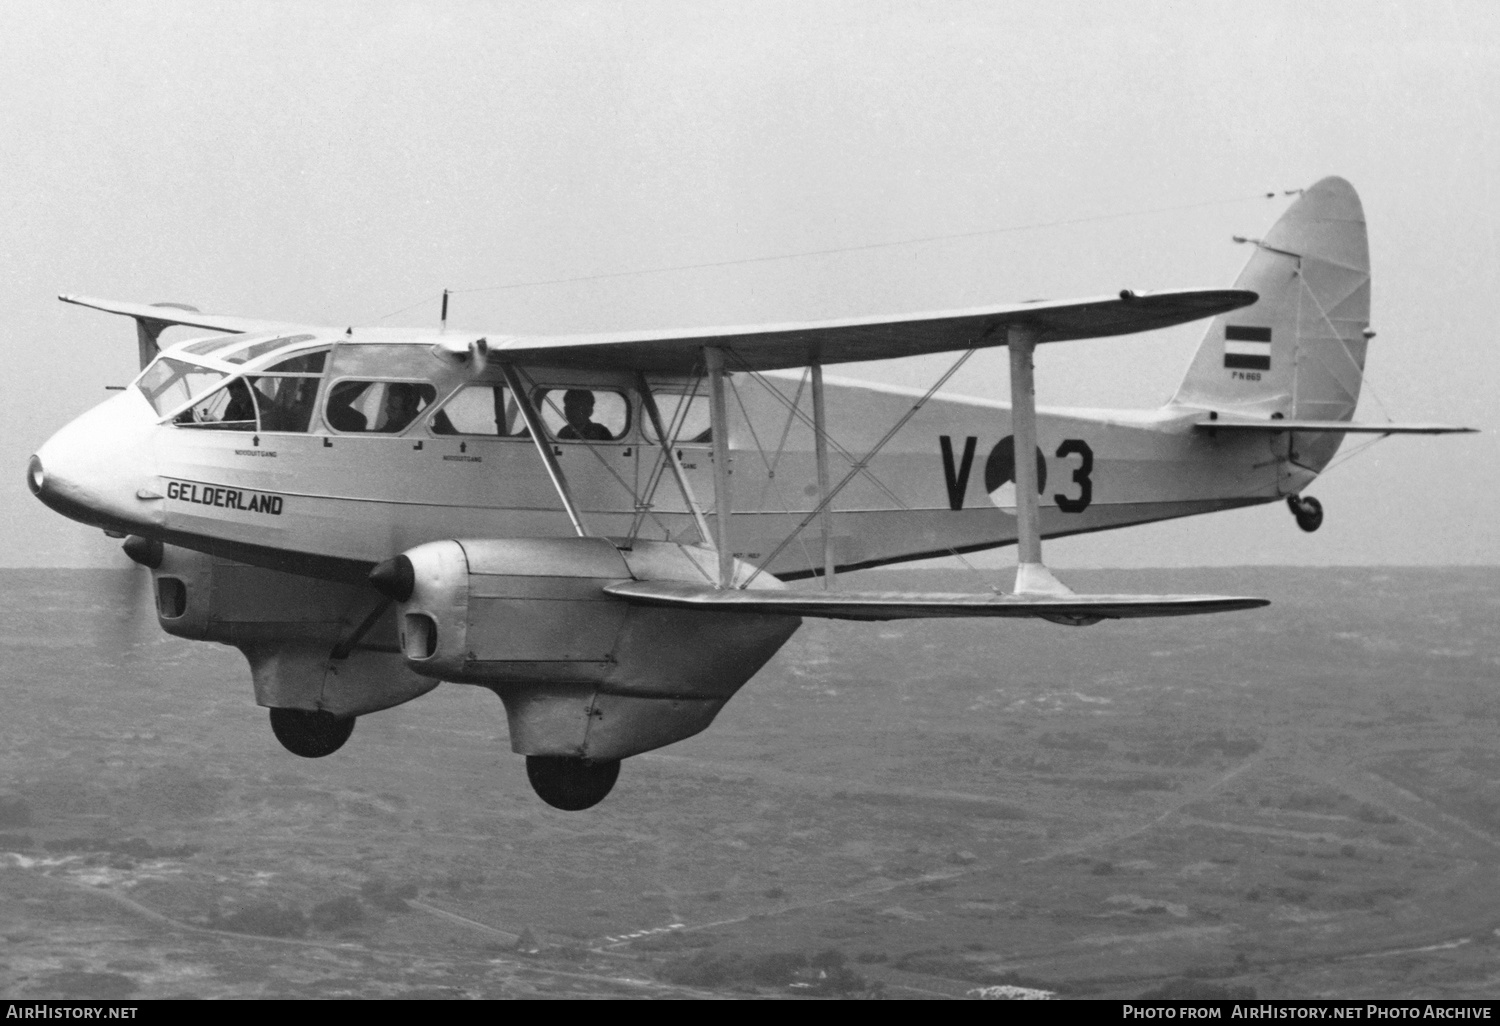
(426, 298)
(917, 240)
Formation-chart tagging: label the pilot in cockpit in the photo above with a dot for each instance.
(241, 408)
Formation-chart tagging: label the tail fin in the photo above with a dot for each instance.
(1300, 350)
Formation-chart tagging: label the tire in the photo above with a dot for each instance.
(569, 783)
(310, 734)
(1310, 515)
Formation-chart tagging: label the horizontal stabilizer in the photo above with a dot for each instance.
(897, 605)
(1341, 427)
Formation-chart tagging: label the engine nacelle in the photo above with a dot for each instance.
(582, 673)
(287, 626)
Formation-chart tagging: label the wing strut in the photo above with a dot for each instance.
(820, 444)
(1037, 593)
(1032, 575)
(543, 447)
(713, 358)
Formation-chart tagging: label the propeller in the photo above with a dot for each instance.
(128, 620)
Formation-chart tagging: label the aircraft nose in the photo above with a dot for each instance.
(36, 477)
(95, 469)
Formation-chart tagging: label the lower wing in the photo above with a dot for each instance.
(895, 605)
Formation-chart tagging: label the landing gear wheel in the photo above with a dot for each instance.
(1308, 511)
(310, 734)
(571, 784)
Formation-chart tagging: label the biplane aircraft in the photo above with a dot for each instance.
(365, 513)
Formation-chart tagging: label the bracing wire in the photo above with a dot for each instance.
(770, 467)
(860, 465)
(794, 409)
(604, 462)
(1347, 456)
(1362, 377)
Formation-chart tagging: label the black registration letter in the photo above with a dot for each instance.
(1078, 446)
(958, 482)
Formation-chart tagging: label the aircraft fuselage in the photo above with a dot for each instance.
(333, 503)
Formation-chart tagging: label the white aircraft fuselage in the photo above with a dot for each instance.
(365, 513)
(337, 503)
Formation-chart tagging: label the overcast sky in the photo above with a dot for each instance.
(336, 162)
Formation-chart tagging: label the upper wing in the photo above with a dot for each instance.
(1341, 427)
(888, 605)
(768, 347)
(874, 338)
(165, 316)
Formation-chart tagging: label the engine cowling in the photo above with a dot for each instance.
(581, 672)
(286, 625)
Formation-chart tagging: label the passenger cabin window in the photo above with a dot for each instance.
(376, 407)
(168, 383)
(686, 418)
(480, 410)
(585, 415)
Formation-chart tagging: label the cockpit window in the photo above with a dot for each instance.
(379, 407)
(260, 349)
(286, 393)
(168, 383)
(280, 398)
(231, 408)
(585, 415)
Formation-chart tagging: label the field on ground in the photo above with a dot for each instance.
(1299, 801)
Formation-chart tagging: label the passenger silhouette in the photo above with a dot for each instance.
(403, 401)
(340, 413)
(578, 409)
(291, 403)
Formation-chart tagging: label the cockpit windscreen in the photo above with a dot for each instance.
(168, 383)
